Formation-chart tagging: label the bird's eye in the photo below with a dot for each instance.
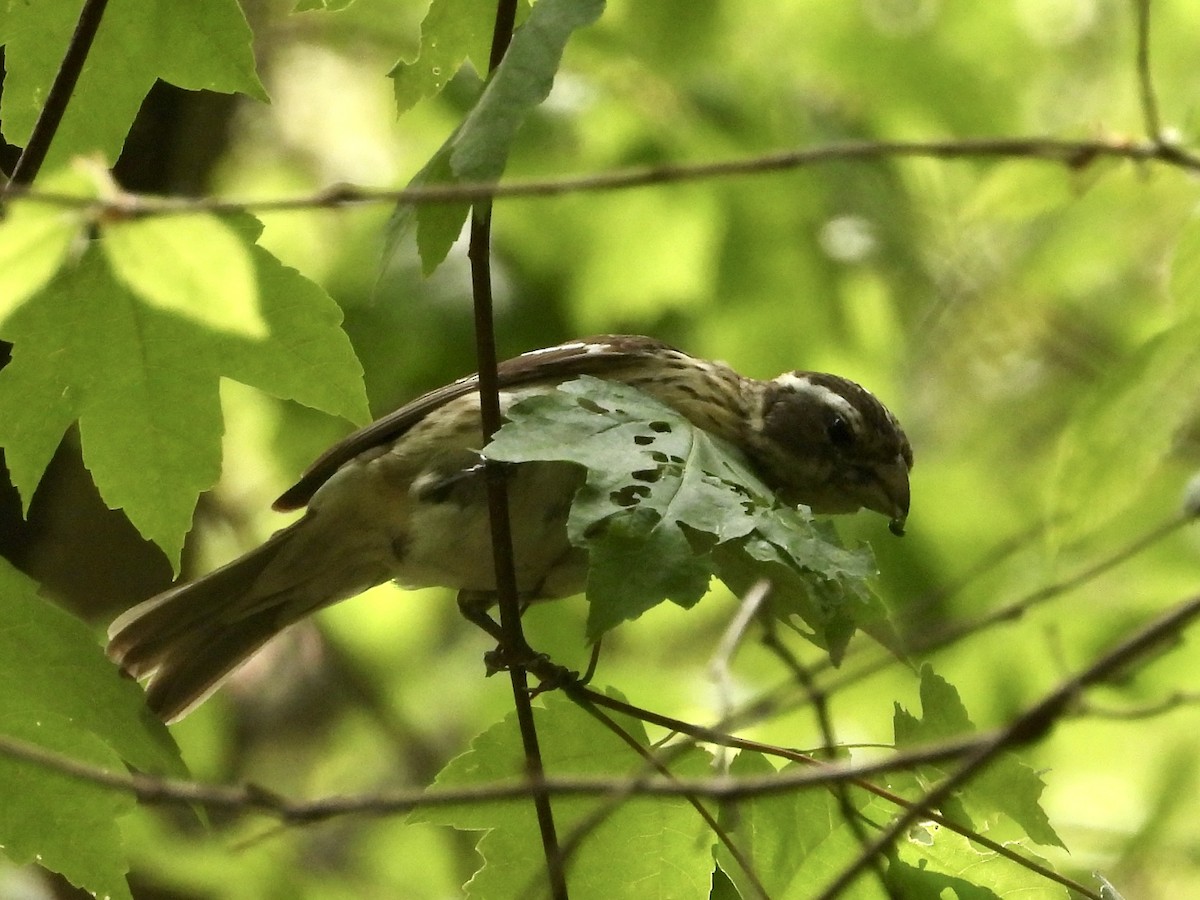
(839, 431)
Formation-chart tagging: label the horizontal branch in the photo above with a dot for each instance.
(249, 798)
(252, 798)
(1074, 154)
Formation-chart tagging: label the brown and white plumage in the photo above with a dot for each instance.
(401, 499)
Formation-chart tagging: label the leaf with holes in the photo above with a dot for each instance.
(666, 505)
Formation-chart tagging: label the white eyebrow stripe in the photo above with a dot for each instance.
(802, 385)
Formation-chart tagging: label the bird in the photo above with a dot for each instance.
(404, 499)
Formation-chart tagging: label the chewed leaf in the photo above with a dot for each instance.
(666, 505)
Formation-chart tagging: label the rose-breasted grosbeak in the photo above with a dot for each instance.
(404, 499)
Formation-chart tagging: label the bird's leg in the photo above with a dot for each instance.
(552, 676)
(474, 606)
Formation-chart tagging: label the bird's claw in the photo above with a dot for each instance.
(550, 675)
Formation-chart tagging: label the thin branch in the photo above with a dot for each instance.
(817, 698)
(30, 161)
(243, 799)
(1150, 117)
(1030, 726)
(1075, 154)
(502, 32)
(514, 647)
(1170, 703)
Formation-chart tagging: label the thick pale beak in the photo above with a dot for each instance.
(888, 494)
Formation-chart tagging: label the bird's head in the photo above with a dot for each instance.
(825, 442)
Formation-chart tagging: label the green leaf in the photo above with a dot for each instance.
(478, 149)
(197, 46)
(194, 265)
(794, 840)
(62, 823)
(637, 561)
(87, 349)
(932, 861)
(451, 31)
(666, 504)
(804, 584)
(1006, 787)
(438, 225)
(142, 384)
(943, 714)
(1100, 455)
(664, 847)
(308, 357)
(57, 690)
(35, 239)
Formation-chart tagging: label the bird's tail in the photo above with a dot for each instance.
(185, 641)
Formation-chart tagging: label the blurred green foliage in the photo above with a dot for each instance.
(1033, 325)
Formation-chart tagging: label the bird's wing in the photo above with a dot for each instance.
(587, 356)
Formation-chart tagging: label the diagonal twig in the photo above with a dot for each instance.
(783, 697)
(30, 161)
(1029, 726)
